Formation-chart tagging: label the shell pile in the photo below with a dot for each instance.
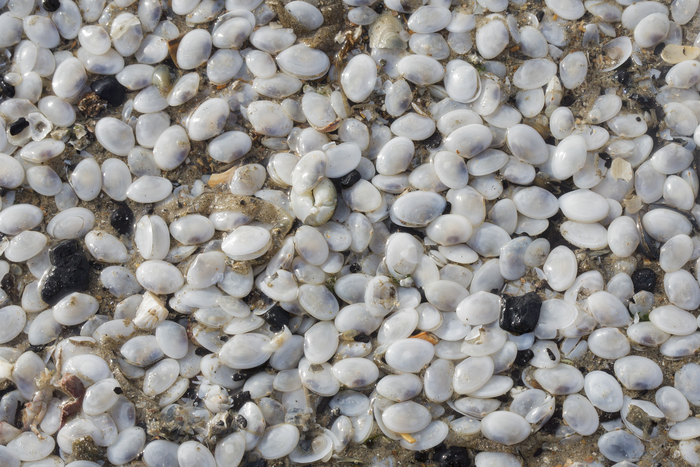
(237, 231)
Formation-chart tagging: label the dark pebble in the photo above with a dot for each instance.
(623, 77)
(60, 253)
(523, 357)
(109, 89)
(644, 279)
(659, 48)
(355, 268)
(238, 399)
(51, 5)
(346, 181)
(122, 219)
(519, 315)
(7, 88)
(70, 272)
(277, 317)
(566, 101)
(362, 337)
(18, 126)
(202, 351)
(453, 456)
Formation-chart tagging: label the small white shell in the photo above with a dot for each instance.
(505, 428)
(86, 179)
(114, 135)
(149, 189)
(71, 223)
(304, 62)
(116, 179)
(359, 77)
(194, 49)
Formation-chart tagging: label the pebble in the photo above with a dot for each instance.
(520, 315)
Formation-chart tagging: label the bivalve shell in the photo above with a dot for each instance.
(303, 62)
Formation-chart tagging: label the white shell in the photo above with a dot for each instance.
(71, 223)
(638, 373)
(505, 428)
(603, 391)
(116, 179)
(69, 78)
(358, 77)
(86, 179)
(114, 135)
(580, 414)
(560, 268)
(159, 277)
(207, 120)
(573, 69)
(492, 38)
(534, 73)
(303, 62)
(246, 242)
(149, 189)
(194, 49)
(673, 320)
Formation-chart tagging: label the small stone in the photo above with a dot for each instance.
(623, 77)
(520, 314)
(51, 5)
(346, 181)
(110, 90)
(122, 219)
(70, 272)
(452, 456)
(61, 253)
(523, 357)
(18, 126)
(644, 279)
